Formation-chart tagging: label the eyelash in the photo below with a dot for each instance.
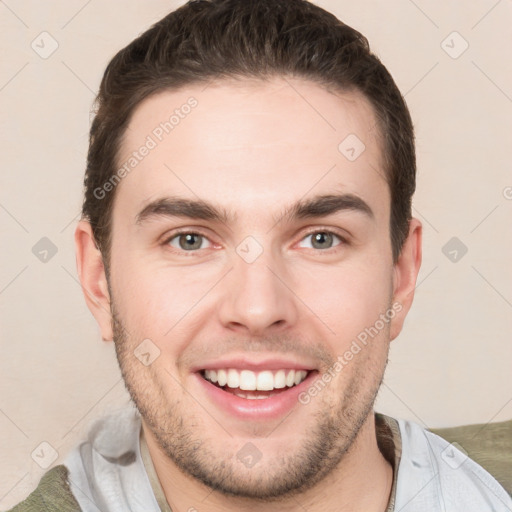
(343, 240)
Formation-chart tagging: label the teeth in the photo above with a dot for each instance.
(233, 379)
(222, 377)
(280, 379)
(248, 380)
(265, 381)
(211, 375)
(251, 397)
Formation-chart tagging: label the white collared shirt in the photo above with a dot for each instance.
(107, 472)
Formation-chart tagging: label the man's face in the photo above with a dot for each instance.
(271, 286)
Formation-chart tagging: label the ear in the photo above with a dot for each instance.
(405, 272)
(91, 273)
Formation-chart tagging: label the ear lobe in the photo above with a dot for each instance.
(405, 274)
(91, 273)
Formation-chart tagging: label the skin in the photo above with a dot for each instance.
(254, 148)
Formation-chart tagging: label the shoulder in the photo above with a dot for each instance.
(52, 493)
(103, 467)
(106, 472)
(489, 444)
(436, 475)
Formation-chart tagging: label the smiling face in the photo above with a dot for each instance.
(250, 253)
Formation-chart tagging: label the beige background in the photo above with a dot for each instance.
(451, 365)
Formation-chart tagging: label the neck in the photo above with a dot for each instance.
(362, 481)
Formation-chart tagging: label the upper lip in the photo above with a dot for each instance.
(246, 363)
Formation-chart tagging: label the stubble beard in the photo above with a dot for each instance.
(334, 431)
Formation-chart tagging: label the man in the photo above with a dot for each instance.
(247, 242)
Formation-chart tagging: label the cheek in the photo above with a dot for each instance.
(348, 299)
(157, 301)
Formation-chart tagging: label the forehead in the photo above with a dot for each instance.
(250, 144)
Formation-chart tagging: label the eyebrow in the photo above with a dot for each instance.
(319, 206)
(179, 207)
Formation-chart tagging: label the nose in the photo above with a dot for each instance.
(258, 298)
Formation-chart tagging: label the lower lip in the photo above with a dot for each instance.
(270, 408)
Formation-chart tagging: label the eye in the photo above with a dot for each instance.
(320, 240)
(189, 241)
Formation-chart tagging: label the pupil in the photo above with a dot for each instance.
(190, 241)
(322, 240)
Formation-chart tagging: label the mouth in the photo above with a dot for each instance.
(252, 385)
(257, 394)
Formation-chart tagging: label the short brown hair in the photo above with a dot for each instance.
(207, 40)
